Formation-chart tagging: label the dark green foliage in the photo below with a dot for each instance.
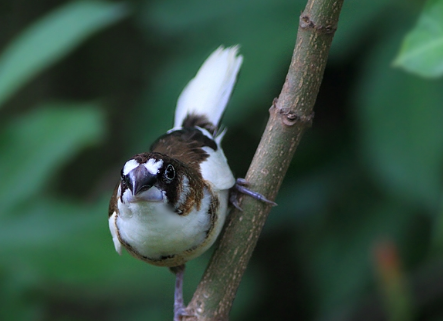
(367, 175)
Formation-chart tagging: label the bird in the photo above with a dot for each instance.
(171, 202)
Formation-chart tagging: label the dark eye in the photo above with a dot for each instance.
(124, 181)
(169, 173)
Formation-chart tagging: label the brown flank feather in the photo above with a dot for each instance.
(113, 202)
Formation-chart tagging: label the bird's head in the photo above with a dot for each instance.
(155, 177)
(148, 178)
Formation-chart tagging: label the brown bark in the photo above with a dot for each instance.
(290, 115)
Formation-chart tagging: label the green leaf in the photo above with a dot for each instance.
(422, 50)
(59, 240)
(400, 125)
(35, 145)
(50, 38)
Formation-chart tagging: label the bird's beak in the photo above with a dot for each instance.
(140, 179)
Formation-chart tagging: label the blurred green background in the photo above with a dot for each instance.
(84, 85)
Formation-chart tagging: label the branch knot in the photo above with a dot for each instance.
(307, 23)
(290, 117)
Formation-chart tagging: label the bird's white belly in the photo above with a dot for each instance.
(155, 231)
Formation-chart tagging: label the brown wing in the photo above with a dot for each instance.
(185, 145)
(113, 202)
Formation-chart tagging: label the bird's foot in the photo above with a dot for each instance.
(180, 309)
(241, 187)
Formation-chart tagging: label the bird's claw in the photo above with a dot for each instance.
(181, 311)
(241, 187)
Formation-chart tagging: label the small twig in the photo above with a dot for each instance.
(290, 115)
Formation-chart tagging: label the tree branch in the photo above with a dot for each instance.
(290, 115)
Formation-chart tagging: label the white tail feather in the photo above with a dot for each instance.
(209, 91)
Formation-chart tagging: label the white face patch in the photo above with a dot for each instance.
(129, 166)
(153, 166)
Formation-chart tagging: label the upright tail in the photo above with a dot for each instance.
(208, 92)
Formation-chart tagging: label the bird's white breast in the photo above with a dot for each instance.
(154, 230)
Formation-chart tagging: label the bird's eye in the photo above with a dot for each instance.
(124, 181)
(169, 173)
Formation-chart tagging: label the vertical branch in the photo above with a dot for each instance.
(290, 115)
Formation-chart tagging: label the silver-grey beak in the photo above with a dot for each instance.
(140, 180)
